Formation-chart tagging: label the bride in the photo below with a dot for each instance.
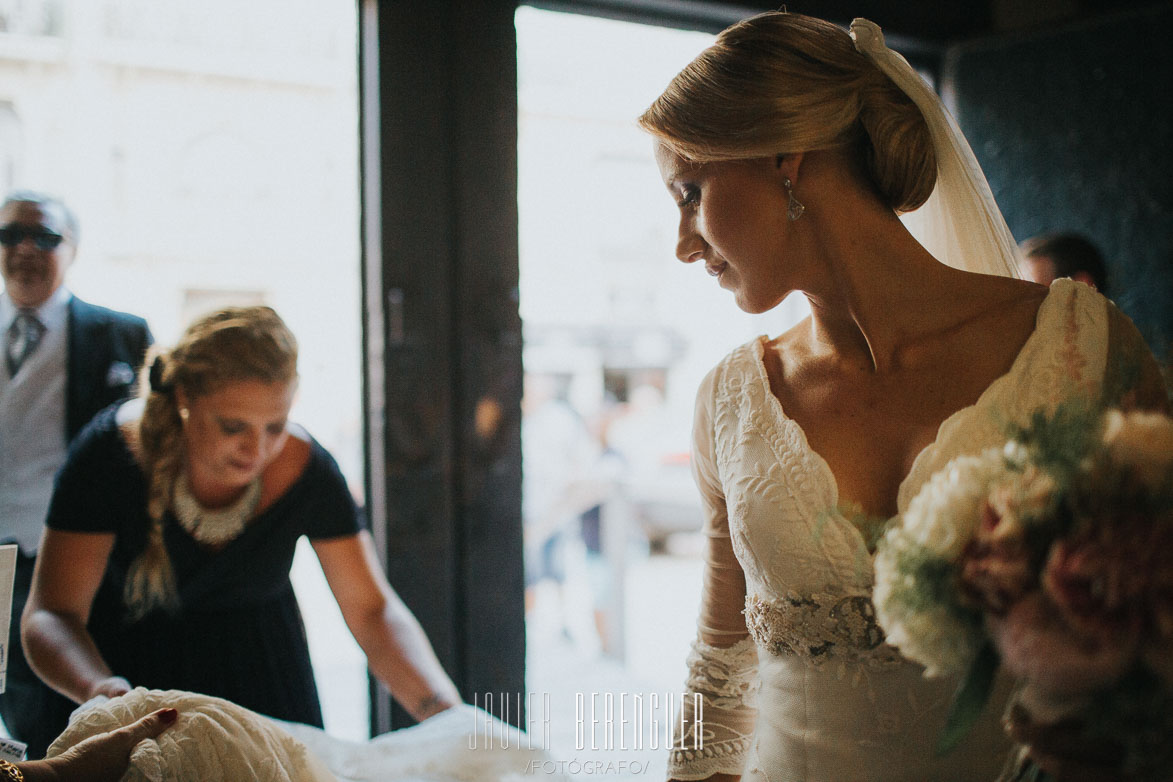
(790, 148)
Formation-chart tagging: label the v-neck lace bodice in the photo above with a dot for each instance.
(835, 701)
(1035, 341)
(788, 531)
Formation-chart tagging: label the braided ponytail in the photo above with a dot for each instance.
(150, 581)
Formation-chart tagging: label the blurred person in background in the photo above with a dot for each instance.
(560, 483)
(64, 360)
(1047, 257)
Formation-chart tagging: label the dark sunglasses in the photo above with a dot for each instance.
(12, 235)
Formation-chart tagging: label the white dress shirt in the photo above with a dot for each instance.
(32, 423)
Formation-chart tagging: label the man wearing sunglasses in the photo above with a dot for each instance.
(62, 360)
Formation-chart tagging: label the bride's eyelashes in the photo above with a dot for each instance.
(690, 197)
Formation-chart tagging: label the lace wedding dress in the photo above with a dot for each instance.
(214, 739)
(798, 684)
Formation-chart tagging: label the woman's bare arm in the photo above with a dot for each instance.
(397, 649)
(69, 570)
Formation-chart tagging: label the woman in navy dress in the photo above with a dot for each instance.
(165, 563)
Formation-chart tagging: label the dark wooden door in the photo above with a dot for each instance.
(443, 336)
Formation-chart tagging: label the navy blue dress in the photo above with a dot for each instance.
(238, 633)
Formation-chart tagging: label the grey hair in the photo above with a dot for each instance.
(44, 199)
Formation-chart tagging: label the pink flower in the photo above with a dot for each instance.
(1115, 577)
(997, 566)
(1037, 645)
(1142, 441)
(994, 572)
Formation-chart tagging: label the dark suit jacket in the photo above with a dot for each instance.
(105, 350)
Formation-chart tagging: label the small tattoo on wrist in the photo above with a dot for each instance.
(428, 706)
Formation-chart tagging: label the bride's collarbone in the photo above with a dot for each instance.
(870, 427)
(897, 404)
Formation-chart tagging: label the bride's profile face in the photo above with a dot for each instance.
(733, 221)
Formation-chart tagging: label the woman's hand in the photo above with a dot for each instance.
(111, 687)
(101, 758)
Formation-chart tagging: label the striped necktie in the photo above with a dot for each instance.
(23, 337)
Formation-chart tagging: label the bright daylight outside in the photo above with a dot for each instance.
(210, 164)
(618, 335)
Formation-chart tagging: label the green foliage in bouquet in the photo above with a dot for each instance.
(970, 699)
(1059, 443)
(931, 583)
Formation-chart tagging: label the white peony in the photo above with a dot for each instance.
(1143, 441)
(943, 516)
(940, 521)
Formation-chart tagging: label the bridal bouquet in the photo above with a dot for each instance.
(1053, 557)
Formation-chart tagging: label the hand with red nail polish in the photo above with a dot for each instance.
(102, 758)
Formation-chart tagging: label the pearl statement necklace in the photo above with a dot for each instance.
(214, 526)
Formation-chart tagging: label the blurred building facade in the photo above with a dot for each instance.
(210, 150)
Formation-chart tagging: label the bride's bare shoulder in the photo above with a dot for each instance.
(1004, 314)
(977, 315)
(1022, 290)
(1020, 302)
(1003, 303)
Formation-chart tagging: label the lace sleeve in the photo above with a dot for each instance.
(722, 664)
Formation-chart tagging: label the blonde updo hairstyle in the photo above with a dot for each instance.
(780, 83)
(226, 346)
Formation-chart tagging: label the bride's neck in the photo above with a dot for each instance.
(879, 285)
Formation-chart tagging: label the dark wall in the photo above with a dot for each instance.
(1073, 128)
